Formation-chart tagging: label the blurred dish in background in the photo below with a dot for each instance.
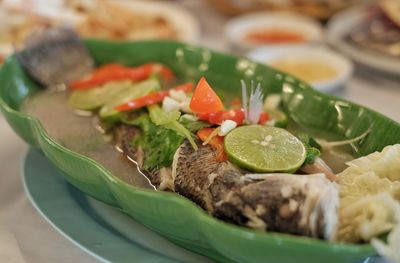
(272, 28)
(320, 9)
(379, 32)
(105, 19)
(124, 19)
(323, 69)
(17, 21)
(369, 34)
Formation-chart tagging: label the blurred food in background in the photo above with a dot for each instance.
(104, 19)
(16, 24)
(369, 34)
(380, 29)
(115, 20)
(320, 9)
(272, 28)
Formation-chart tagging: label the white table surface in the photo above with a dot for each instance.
(26, 237)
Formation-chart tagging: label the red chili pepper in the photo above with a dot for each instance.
(152, 98)
(112, 72)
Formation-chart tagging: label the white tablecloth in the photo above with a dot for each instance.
(24, 234)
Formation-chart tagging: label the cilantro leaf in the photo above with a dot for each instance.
(313, 149)
(158, 143)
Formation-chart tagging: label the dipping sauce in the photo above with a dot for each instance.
(306, 69)
(274, 36)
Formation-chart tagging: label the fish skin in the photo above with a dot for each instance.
(257, 204)
(191, 181)
(55, 56)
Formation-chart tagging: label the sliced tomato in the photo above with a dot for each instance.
(152, 98)
(204, 99)
(113, 72)
(217, 142)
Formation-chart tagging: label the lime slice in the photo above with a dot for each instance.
(279, 117)
(138, 90)
(265, 149)
(94, 98)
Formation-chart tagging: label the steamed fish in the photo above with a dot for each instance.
(296, 204)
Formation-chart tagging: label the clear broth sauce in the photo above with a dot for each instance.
(79, 134)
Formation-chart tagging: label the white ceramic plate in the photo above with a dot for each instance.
(343, 66)
(238, 27)
(340, 25)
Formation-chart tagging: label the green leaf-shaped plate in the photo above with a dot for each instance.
(171, 215)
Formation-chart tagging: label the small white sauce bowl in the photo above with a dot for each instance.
(237, 28)
(343, 66)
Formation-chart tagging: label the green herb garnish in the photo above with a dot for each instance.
(169, 120)
(158, 143)
(313, 149)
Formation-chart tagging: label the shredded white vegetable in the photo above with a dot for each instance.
(392, 248)
(252, 105)
(255, 103)
(244, 99)
(369, 201)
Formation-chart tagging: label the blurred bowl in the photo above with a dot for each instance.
(319, 9)
(272, 28)
(324, 69)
